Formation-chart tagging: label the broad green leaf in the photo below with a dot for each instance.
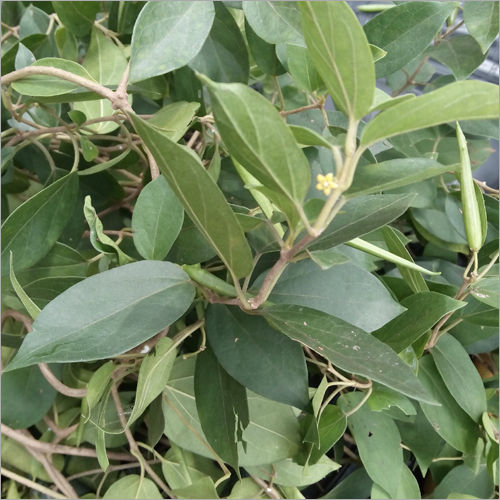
(462, 480)
(308, 137)
(201, 197)
(153, 376)
(106, 63)
(394, 243)
(26, 397)
(45, 85)
(461, 53)
(222, 406)
(246, 488)
(407, 488)
(24, 57)
(77, 17)
(263, 53)
(383, 398)
(360, 216)
(31, 230)
(99, 239)
(328, 258)
(356, 485)
(174, 118)
(256, 135)
(224, 56)
(460, 375)
(481, 20)
(465, 100)
(133, 486)
(289, 473)
(156, 220)
(339, 49)
(423, 311)
(98, 385)
(302, 69)
(160, 43)
(33, 20)
(393, 174)
(66, 43)
(405, 31)
(274, 22)
(253, 353)
(376, 436)
(272, 434)
(331, 428)
(338, 291)
(347, 347)
(486, 291)
(448, 420)
(100, 167)
(82, 324)
(382, 100)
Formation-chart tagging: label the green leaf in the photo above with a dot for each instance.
(45, 85)
(222, 406)
(393, 174)
(101, 241)
(362, 215)
(405, 31)
(347, 347)
(376, 436)
(486, 291)
(26, 397)
(481, 20)
(174, 118)
(106, 63)
(66, 43)
(383, 398)
(462, 480)
(465, 100)
(100, 167)
(460, 375)
(31, 230)
(377, 52)
(153, 376)
(356, 485)
(201, 197)
(328, 258)
(159, 41)
(274, 22)
(338, 291)
(302, 69)
(263, 53)
(31, 307)
(98, 385)
(308, 137)
(224, 56)
(133, 486)
(77, 17)
(82, 324)
(461, 53)
(382, 100)
(89, 149)
(448, 420)
(331, 428)
(157, 220)
(272, 434)
(246, 488)
(256, 135)
(407, 488)
(423, 311)
(339, 49)
(253, 353)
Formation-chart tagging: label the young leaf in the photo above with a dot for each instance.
(340, 51)
(465, 100)
(222, 406)
(331, 428)
(31, 230)
(174, 118)
(347, 347)
(405, 31)
(97, 387)
(460, 375)
(156, 220)
(159, 41)
(253, 353)
(153, 376)
(201, 197)
(259, 139)
(224, 56)
(83, 324)
(308, 137)
(423, 311)
(481, 20)
(448, 419)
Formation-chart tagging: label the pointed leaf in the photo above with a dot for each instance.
(465, 100)
(481, 20)
(253, 353)
(347, 347)
(339, 49)
(159, 41)
(31, 230)
(174, 118)
(201, 197)
(83, 324)
(156, 220)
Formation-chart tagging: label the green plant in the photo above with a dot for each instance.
(231, 290)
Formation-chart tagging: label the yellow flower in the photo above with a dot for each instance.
(326, 183)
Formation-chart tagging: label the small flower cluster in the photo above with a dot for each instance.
(326, 183)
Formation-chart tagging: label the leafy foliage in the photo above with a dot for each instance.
(233, 266)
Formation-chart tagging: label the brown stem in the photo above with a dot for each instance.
(153, 167)
(316, 105)
(58, 385)
(410, 80)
